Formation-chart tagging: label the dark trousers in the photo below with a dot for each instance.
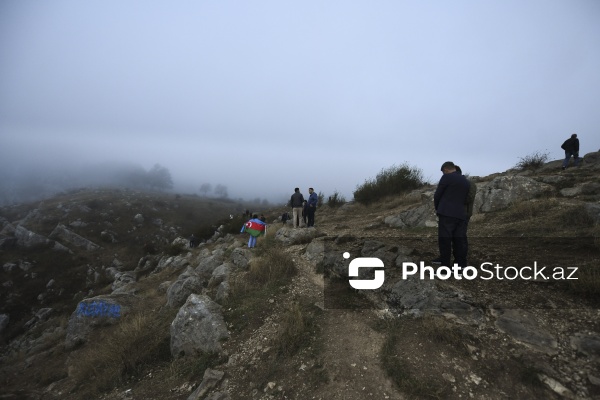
(452, 235)
(310, 216)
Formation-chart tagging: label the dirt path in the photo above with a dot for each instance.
(350, 346)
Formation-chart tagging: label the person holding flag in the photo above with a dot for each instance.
(255, 227)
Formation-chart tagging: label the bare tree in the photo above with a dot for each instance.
(221, 191)
(159, 177)
(205, 188)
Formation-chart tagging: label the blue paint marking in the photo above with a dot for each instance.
(98, 309)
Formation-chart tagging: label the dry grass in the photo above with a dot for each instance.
(267, 276)
(274, 265)
(296, 330)
(530, 209)
(576, 217)
(108, 359)
(439, 330)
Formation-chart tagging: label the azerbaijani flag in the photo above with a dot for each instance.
(255, 227)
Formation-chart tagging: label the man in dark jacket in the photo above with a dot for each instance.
(313, 199)
(449, 200)
(296, 202)
(571, 148)
(469, 205)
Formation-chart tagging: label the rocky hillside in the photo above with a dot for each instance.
(101, 297)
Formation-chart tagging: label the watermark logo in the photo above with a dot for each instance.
(365, 262)
(370, 272)
(425, 272)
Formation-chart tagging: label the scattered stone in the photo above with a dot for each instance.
(556, 386)
(209, 381)
(61, 233)
(588, 345)
(139, 219)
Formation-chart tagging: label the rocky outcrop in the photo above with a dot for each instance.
(174, 262)
(591, 160)
(585, 188)
(503, 191)
(289, 236)
(423, 215)
(28, 239)
(63, 234)
(522, 326)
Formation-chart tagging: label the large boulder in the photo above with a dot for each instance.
(220, 274)
(207, 265)
(241, 257)
(187, 283)
(95, 312)
(198, 328)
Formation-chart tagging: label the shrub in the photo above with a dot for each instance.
(320, 199)
(336, 200)
(273, 266)
(532, 161)
(174, 249)
(391, 181)
(295, 329)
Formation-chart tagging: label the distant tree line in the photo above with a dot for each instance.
(219, 191)
(37, 183)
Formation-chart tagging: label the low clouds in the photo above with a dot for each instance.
(264, 97)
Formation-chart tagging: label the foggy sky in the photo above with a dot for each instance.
(264, 96)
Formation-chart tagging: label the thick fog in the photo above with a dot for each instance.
(264, 96)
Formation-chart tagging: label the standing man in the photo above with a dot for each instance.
(449, 200)
(312, 206)
(571, 148)
(470, 202)
(296, 203)
(255, 227)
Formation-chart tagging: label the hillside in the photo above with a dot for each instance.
(102, 298)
